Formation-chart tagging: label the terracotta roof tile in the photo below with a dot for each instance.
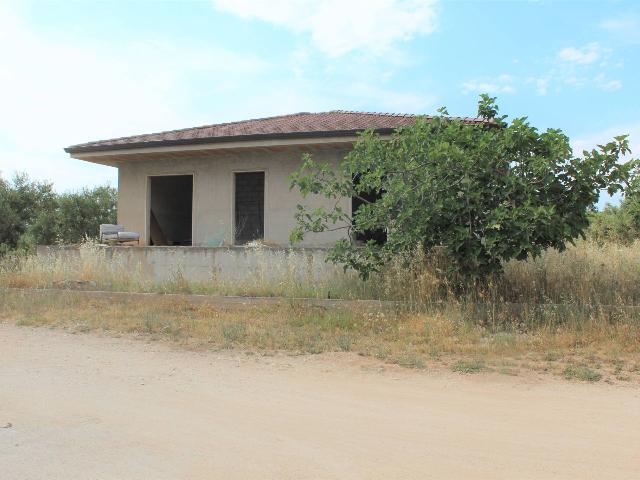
(303, 124)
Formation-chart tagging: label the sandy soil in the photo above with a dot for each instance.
(98, 407)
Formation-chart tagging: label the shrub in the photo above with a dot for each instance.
(485, 194)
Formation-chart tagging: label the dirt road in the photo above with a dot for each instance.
(90, 407)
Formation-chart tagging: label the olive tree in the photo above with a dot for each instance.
(31, 213)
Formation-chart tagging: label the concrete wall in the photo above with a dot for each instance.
(213, 195)
(202, 264)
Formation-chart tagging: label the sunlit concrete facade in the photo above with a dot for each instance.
(213, 188)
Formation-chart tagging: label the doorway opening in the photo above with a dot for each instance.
(171, 210)
(249, 207)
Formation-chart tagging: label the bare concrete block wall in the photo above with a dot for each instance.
(213, 194)
(202, 264)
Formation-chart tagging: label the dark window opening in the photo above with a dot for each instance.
(249, 207)
(171, 210)
(379, 235)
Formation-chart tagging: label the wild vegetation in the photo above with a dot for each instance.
(31, 213)
(584, 348)
(574, 313)
(588, 274)
(483, 194)
(617, 224)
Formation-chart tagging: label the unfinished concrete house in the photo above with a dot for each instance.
(228, 184)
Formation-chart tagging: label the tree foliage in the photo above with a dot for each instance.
(22, 202)
(32, 213)
(618, 224)
(485, 193)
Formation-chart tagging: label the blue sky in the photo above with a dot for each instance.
(75, 71)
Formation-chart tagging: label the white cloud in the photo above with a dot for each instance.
(55, 92)
(501, 84)
(627, 27)
(338, 27)
(58, 89)
(554, 79)
(541, 84)
(581, 56)
(606, 84)
(611, 85)
(589, 66)
(579, 67)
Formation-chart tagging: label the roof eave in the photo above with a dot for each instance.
(227, 139)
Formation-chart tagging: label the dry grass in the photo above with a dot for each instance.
(574, 313)
(445, 339)
(588, 275)
(94, 269)
(585, 274)
(91, 268)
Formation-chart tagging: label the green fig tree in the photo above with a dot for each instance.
(484, 193)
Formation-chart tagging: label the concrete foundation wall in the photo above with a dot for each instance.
(202, 264)
(213, 195)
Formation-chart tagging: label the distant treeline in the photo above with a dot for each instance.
(617, 224)
(31, 213)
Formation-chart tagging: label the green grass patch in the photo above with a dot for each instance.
(234, 332)
(469, 366)
(344, 343)
(325, 320)
(582, 372)
(410, 360)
